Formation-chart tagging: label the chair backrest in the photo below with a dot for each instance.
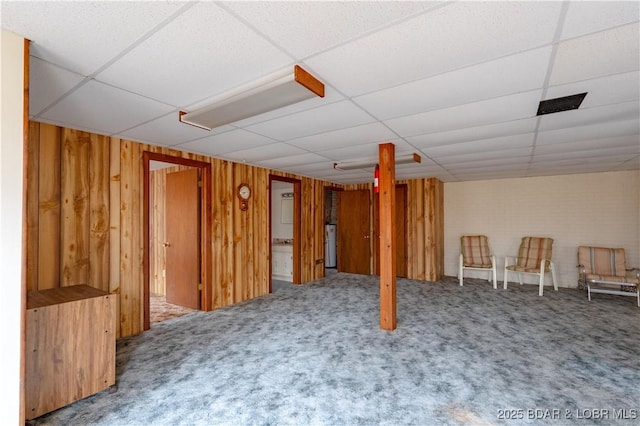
(475, 251)
(533, 250)
(602, 260)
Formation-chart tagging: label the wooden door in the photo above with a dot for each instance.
(354, 232)
(183, 238)
(401, 236)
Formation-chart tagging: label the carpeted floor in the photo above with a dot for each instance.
(315, 354)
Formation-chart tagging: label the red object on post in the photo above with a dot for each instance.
(376, 177)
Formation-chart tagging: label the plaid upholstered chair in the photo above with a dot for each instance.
(475, 254)
(534, 258)
(604, 270)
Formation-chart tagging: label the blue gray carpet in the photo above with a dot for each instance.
(315, 355)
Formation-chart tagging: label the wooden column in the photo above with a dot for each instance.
(387, 183)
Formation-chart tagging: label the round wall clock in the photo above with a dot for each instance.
(244, 193)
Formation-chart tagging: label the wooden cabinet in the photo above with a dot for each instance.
(282, 262)
(71, 346)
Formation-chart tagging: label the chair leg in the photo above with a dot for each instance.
(589, 292)
(520, 278)
(506, 272)
(495, 281)
(460, 269)
(541, 290)
(553, 276)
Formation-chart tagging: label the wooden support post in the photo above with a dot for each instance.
(387, 182)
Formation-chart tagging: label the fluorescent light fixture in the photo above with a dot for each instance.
(353, 165)
(267, 94)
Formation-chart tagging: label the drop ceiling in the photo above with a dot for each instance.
(459, 83)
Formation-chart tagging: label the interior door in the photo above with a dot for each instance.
(354, 232)
(183, 238)
(401, 233)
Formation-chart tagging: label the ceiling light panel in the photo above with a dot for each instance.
(459, 34)
(597, 55)
(209, 50)
(289, 86)
(80, 109)
(505, 76)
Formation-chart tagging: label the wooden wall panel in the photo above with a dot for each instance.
(32, 200)
(74, 231)
(114, 224)
(99, 157)
(49, 188)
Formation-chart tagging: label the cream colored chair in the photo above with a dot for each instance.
(476, 255)
(534, 258)
(604, 270)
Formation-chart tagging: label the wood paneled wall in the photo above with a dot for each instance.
(67, 208)
(85, 221)
(424, 227)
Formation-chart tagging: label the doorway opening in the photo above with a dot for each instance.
(331, 229)
(177, 249)
(284, 231)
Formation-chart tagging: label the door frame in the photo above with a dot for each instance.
(329, 188)
(297, 226)
(205, 228)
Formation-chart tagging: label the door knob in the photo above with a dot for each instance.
(166, 245)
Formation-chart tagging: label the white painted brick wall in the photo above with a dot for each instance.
(599, 209)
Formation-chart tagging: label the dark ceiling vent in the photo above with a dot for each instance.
(560, 104)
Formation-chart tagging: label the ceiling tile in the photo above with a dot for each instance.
(451, 37)
(202, 53)
(47, 83)
(463, 157)
(294, 160)
(366, 133)
(262, 153)
(493, 111)
(167, 130)
(588, 132)
(607, 90)
(588, 116)
(589, 144)
(101, 30)
(584, 17)
(489, 131)
(484, 145)
(505, 76)
(117, 109)
(305, 28)
(234, 140)
(327, 118)
(364, 152)
(596, 55)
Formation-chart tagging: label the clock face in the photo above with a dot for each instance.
(244, 192)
